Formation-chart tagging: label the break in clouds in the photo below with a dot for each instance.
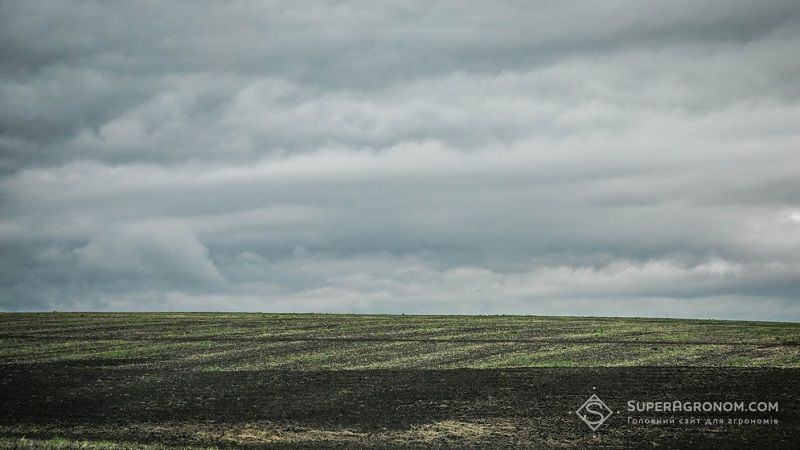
(552, 157)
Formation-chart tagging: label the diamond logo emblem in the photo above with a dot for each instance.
(594, 412)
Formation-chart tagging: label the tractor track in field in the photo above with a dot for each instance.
(177, 339)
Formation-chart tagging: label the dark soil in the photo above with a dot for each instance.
(512, 408)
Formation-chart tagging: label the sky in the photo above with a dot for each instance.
(615, 158)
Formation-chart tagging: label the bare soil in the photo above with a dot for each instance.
(459, 408)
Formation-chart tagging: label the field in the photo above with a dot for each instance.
(92, 380)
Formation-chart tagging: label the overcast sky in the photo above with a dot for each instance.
(637, 158)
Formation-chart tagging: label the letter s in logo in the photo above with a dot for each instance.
(595, 409)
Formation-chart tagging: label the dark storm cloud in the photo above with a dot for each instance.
(552, 157)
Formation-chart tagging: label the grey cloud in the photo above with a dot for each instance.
(549, 157)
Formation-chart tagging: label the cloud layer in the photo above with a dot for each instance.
(610, 158)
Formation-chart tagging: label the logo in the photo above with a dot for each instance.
(594, 412)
